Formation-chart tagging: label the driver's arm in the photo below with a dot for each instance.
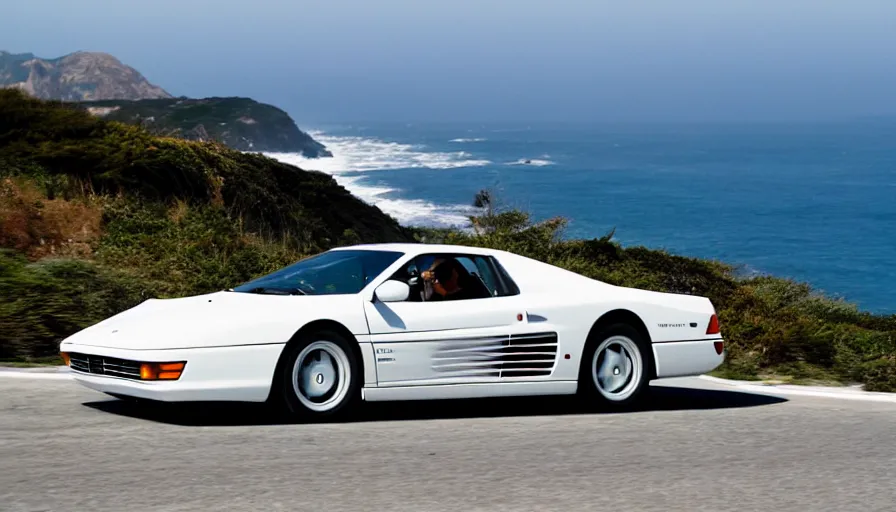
(428, 277)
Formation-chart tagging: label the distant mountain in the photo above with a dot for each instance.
(118, 92)
(241, 123)
(77, 76)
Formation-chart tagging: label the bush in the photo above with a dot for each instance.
(41, 303)
(186, 250)
(880, 374)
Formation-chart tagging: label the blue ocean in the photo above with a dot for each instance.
(814, 202)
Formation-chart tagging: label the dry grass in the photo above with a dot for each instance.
(178, 211)
(40, 227)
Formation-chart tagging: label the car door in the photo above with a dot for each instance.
(484, 339)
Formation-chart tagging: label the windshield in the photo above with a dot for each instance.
(328, 273)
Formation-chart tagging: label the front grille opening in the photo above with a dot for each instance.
(103, 365)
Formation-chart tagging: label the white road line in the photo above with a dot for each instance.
(816, 391)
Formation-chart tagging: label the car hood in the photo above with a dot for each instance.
(216, 319)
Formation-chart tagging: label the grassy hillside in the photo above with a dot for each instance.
(239, 123)
(68, 154)
(97, 216)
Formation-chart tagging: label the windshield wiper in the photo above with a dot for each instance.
(276, 291)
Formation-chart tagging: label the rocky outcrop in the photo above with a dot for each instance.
(77, 76)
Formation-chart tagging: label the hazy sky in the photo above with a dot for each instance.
(416, 60)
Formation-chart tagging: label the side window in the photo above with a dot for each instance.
(477, 266)
(479, 277)
(506, 284)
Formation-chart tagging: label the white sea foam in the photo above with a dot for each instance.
(409, 212)
(477, 139)
(369, 154)
(531, 161)
(353, 155)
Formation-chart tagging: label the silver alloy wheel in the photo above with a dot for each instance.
(616, 367)
(321, 377)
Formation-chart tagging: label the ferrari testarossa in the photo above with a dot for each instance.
(400, 322)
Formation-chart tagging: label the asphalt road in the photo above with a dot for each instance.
(70, 449)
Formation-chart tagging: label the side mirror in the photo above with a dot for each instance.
(392, 291)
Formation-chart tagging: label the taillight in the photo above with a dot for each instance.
(719, 346)
(713, 325)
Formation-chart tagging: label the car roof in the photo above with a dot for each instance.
(419, 248)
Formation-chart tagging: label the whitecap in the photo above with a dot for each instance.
(537, 162)
(353, 155)
(408, 212)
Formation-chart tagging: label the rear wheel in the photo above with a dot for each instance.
(615, 367)
(320, 378)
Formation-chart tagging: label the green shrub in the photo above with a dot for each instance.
(43, 302)
(184, 249)
(880, 374)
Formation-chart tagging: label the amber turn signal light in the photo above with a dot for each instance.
(66, 358)
(161, 371)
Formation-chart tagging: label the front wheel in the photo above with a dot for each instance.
(615, 366)
(321, 377)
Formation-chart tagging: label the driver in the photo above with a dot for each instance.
(447, 281)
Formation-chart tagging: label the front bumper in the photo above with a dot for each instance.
(240, 374)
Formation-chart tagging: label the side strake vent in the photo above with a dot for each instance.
(521, 355)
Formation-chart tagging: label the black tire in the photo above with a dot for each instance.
(633, 386)
(345, 396)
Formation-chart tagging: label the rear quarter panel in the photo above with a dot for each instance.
(571, 304)
(668, 317)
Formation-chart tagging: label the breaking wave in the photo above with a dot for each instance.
(354, 157)
(477, 139)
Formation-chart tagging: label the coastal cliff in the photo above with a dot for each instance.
(240, 123)
(117, 92)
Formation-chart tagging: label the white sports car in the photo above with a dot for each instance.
(398, 322)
